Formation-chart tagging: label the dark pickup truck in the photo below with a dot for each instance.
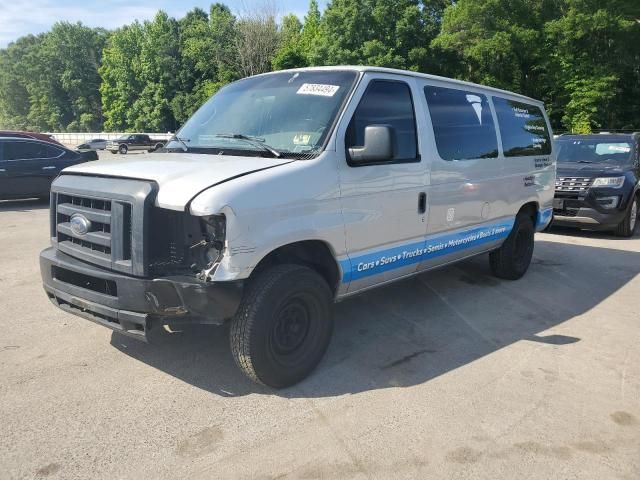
(134, 141)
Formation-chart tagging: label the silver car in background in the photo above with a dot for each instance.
(93, 144)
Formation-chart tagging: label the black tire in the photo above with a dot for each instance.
(283, 325)
(123, 149)
(512, 259)
(113, 151)
(629, 225)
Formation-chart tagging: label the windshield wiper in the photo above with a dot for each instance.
(585, 161)
(183, 142)
(255, 141)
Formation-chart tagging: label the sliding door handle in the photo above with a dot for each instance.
(50, 167)
(422, 202)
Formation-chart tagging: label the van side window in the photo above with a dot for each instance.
(387, 102)
(522, 128)
(462, 123)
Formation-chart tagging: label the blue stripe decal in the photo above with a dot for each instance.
(543, 219)
(384, 260)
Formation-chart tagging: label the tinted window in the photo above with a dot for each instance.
(522, 127)
(462, 124)
(594, 150)
(29, 150)
(387, 103)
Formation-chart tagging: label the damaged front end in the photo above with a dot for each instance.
(138, 265)
(184, 244)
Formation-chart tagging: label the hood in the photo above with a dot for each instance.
(180, 176)
(571, 169)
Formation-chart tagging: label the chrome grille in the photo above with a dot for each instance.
(115, 219)
(96, 210)
(573, 184)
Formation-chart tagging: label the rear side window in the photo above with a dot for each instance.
(387, 102)
(462, 124)
(522, 128)
(27, 150)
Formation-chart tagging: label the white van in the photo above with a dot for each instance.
(288, 191)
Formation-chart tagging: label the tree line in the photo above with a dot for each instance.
(581, 57)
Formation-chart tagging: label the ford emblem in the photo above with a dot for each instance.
(80, 225)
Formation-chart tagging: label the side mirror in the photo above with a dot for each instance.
(378, 145)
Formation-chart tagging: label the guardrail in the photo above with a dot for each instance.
(73, 139)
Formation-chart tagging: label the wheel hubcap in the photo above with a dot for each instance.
(291, 328)
(634, 215)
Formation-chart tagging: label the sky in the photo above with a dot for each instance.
(22, 17)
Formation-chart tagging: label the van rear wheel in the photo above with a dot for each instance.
(512, 259)
(283, 325)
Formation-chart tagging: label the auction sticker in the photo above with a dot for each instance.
(321, 89)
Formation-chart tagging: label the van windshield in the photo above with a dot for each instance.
(586, 150)
(288, 113)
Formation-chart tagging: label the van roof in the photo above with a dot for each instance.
(395, 71)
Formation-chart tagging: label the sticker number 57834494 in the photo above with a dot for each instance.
(321, 89)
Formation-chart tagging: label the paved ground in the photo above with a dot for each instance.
(450, 375)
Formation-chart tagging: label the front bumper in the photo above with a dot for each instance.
(581, 213)
(134, 305)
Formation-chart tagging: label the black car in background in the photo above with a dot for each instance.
(28, 166)
(45, 137)
(597, 182)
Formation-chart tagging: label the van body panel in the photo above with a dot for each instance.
(380, 202)
(428, 252)
(260, 218)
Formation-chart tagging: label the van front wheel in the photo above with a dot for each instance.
(512, 259)
(283, 325)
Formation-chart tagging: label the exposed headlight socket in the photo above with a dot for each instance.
(214, 229)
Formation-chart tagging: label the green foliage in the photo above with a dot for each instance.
(291, 53)
(580, 56)
(594, 64)
(63, 95)
(120, 76)
(389, 33)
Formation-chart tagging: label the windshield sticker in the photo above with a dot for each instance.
(619, 149)
(320, 89)
(612, 148)
(301, 139)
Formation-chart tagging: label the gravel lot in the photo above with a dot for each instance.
(452, 374)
